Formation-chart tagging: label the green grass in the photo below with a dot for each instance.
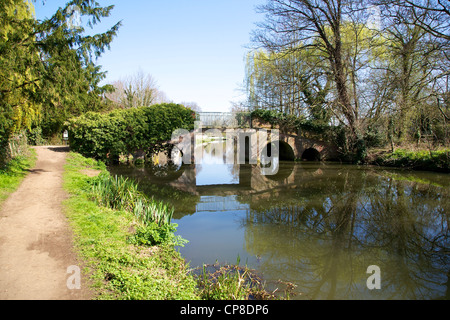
(118, 268)
(438, 160)
(14, 172)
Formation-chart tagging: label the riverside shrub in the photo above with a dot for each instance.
(107, 136)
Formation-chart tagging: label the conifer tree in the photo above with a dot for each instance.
(48, 69)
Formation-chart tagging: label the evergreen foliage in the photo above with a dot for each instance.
(124, 132)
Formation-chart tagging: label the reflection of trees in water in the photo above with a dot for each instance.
(183, 202)
(329, 239)
(412, 228)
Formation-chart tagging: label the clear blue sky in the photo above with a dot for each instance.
(194, 49)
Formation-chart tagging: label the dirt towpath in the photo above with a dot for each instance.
(36, 250)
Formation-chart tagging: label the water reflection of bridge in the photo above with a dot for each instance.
(250, 183)
(220, 204)
(244, 184)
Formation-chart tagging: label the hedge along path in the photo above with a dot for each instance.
(36, 249)
(127, 131)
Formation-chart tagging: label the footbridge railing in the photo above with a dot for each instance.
(225, 119)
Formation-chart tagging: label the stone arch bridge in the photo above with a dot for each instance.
(292, 146)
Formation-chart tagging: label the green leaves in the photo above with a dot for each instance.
(438, 160)
(153, 234)
(118, 269)
(107, 136)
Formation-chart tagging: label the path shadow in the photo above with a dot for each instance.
(37, 171)
(63, 149)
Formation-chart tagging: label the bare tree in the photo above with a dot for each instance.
(437, 14)
(293, 25)
(419, 47)
(138, 90)
(192, 105)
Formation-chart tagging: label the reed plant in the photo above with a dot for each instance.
(146, 210)
(120, 193)
(154, 219)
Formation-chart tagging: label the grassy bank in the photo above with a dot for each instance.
(128, 244)
(14, 172)
(438, 160)
(118, 268)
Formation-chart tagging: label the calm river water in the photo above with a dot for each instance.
(317, 225)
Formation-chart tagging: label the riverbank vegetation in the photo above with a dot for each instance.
(129, 244)
(104, 231)
(438, 160)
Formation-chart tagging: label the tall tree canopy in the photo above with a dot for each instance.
(48, 68)
(379, 68)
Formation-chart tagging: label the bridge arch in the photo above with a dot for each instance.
(311, 154)
(309, 149)
(284, 150)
